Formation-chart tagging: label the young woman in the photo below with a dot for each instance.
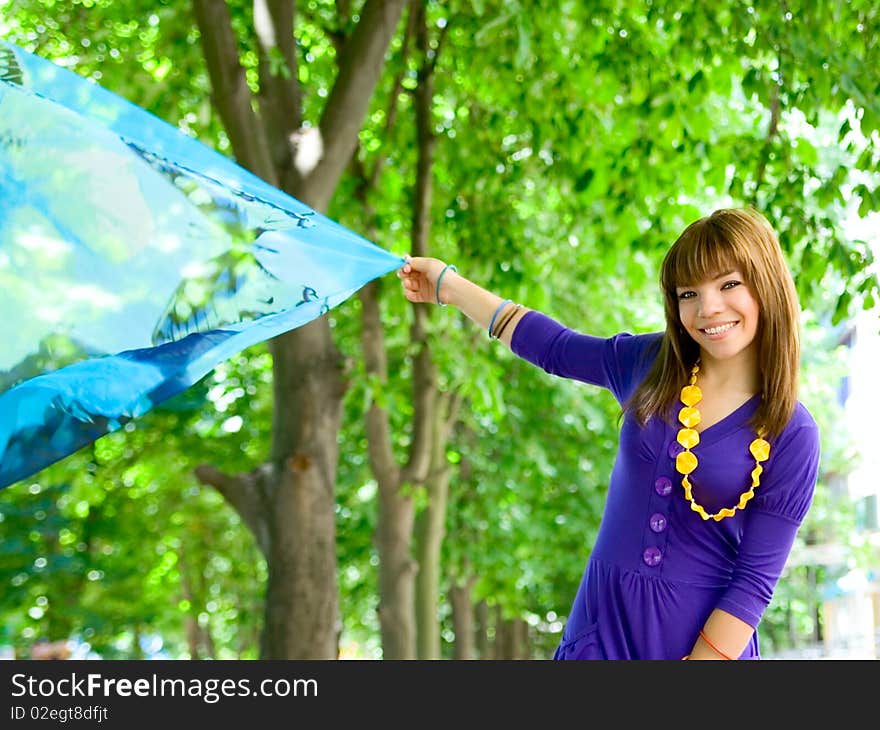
(717, 459)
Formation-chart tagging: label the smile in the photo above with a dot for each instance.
(720, 329)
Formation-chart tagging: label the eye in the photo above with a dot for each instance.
(731, 284)
(687, 295)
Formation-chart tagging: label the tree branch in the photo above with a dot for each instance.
(453, 407)
(231, 94)
(426, 422)
(772, 131)
(436, 52)
(359, 70)
(378, 428)
(244, 493)
(391, 115)
(424, 385)
(424, 96)
(280, 93)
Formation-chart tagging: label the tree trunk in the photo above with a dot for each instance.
(463, 620)
(397, 569)
(511, 637)
(520, 648)
(301, 597)
(397, 572)
(289, 503)
(481, 633)
(429, 539)
(190, 623)
(137, 653)
(430, 531)
(499, 643)
(430, 525)
(399, 618)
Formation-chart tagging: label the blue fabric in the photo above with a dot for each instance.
(658, 570)
(133, 259)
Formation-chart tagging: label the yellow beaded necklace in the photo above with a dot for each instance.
(688, 437)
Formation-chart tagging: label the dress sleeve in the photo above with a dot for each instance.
(618, 363)
(780, 505)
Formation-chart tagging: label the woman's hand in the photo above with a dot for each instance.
(418, 277)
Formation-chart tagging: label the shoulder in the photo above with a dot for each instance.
(636, 347)
(801, 430)
(802, 417)
(800, 441)
(634, 355)
(637, 351)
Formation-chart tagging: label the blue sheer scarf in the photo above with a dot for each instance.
(133, 259)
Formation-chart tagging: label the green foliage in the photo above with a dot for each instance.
(118, 547)
(572, 145)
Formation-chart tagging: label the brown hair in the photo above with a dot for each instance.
(740, 239)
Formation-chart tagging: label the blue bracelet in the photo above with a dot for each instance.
(492, 321)
(440, 278)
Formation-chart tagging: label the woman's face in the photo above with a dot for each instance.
(720, 314)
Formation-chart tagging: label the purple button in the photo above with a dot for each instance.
(657, 522)
(663, 486)
(652, 556)
(674, 449)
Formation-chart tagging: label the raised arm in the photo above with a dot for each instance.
(419, 276)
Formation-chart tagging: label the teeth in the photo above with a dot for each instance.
(719, 330)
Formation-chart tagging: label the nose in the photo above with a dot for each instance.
(711, 303)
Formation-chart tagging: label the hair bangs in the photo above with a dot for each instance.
(701, 253)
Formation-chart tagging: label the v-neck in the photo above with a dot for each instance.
(731, 422)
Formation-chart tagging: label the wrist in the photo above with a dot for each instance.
(446, 285)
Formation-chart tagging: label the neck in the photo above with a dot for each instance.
(739, 373)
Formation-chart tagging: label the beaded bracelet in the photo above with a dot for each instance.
(506, 321)
(440, 278)
(492, 321)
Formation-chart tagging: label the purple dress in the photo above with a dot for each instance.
(658, 570)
